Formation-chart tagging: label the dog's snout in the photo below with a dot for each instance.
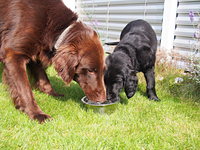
(109, 96)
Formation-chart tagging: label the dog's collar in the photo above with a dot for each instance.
(58, 42)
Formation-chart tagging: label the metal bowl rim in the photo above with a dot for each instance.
(100, 104)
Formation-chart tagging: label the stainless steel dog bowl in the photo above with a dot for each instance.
(107, 107)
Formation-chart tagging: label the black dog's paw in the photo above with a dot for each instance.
(152, 95)
(154, 98)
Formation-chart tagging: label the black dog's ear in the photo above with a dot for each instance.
(130, 84)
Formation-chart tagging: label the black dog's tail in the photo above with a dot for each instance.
(112, 43)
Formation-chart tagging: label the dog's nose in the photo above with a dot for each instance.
(109, 96)
(101, 99)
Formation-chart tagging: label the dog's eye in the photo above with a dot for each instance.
(60, 70)
(92, 71)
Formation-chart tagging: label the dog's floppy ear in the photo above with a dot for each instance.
(65, 62)
(130, 83)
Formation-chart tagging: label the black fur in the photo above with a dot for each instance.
(135, 52)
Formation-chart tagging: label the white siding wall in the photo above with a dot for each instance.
(113, 15)
(184, 31)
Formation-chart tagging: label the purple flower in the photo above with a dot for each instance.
(96, 22)
(92, 25)
(196, 35)
(191, 15)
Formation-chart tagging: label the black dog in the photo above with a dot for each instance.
(136, 52)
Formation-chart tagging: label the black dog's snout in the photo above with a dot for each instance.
(108, 96)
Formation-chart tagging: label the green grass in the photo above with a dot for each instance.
(173, 123)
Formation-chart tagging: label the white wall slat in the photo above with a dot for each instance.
(184, 31)
(113, 15)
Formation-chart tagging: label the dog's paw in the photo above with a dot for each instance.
(58, 95)
(41, 117)
(154, 98)
(53, 93)
(152, 95)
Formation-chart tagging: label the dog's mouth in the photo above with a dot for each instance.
(96, 97)
(111, 96)
(101, 100)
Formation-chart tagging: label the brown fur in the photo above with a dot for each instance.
(29, 30)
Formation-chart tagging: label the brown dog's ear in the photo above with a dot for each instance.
(65, 62)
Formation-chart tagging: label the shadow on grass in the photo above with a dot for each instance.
(74, 91)
(124, 99)
(142, 92)
(187, 90)
(1, 71)
(165, 88)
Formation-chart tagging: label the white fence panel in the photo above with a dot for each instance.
(184, 31)
(184, 42)
(113, 15)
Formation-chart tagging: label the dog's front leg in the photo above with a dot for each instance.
(150, 79)
(18, 85)
(37, 71)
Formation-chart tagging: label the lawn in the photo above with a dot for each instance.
(137, 123)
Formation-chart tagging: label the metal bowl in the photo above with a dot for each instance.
(106, 107)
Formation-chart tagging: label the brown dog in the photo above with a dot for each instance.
(29, 29)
